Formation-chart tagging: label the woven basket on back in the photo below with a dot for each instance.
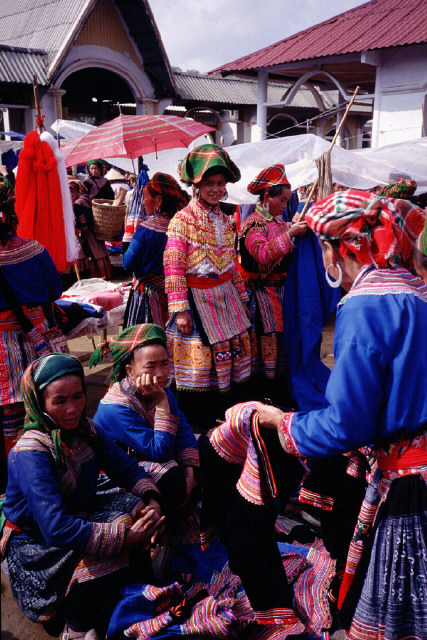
(107, 219)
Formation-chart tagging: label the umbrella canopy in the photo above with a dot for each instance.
(133, 136)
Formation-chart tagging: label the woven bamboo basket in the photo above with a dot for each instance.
(107, 219)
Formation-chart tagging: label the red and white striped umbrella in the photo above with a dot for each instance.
(133, 136)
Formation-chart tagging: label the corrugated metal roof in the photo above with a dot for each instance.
(377, 24)
(238, 91)
(52, 24)
(46, 23)
(19, 65)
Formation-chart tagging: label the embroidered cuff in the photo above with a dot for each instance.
(142, 486)
(285, 436)
(188, 458)
(285, 243)
(107, 538)
(325, 503)
(164, 421)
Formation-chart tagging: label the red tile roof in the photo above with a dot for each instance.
(375, 25)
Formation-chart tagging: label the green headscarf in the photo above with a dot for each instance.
(37, 377)
(201, 159)
(98, 164)
(122, 344)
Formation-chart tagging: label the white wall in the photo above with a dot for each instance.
(401, 86)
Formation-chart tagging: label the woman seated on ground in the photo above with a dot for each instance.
(266, 243)
(94, 261)
(163, 197)
(68, 548)
(96, 184)
(376, 396)
(141, 414)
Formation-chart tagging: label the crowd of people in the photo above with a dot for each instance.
(86, 500)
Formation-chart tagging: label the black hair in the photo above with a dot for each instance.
(8, 220)
(274, 191)
(169, 203)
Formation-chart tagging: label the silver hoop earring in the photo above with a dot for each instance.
(225, 196)
(334, 283)
(267, 208)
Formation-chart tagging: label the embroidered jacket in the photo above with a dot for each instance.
(41, 497)
(200, 243)
(153, 435)
(30, 271)
(267, 239)
(378, 385)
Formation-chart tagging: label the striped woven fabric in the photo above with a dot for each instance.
(221, 312)
(234, 441)
(422, 240)
(385, 281)
(198, 367)
(16, 353)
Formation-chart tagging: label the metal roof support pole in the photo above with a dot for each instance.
(261, 111)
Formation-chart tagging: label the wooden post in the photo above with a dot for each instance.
(337, 132)
(39, 118)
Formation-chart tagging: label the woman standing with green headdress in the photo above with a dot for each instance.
(208, 336)
(67, 547)
(96, 185)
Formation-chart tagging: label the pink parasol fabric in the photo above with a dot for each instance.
(133, 136)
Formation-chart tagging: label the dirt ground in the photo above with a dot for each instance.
(14, 625)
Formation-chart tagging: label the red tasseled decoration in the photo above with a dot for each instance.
(39, 199)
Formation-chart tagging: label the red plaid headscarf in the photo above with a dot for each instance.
(378, 231)
(269, 177)
(166, 185)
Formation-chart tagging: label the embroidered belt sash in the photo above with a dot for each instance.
(194, 282)
(405, 454)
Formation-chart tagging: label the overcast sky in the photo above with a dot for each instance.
(204, 34)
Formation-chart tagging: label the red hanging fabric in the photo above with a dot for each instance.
(39, 198)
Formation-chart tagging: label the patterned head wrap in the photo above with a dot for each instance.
(36, 377)
(197, 162)
(125, 342)
(98, 164)
(269, 177)
(403, 188)
(378, 231)
(422, 240)
(165, 185)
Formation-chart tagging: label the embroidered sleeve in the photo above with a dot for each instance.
(107, 539)
(285, 436)
(267, 251)
(175, 266)
(143, 486)
(188, 457)
(166, 422)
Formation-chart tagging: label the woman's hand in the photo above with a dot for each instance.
(183, 322)
(149, 526)
(298, 229)
(269, 417)
(149, 387)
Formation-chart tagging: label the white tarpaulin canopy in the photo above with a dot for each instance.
(359, 169)
(362, 169)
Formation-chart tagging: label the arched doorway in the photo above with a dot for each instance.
(93, 95)
(282, 125)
